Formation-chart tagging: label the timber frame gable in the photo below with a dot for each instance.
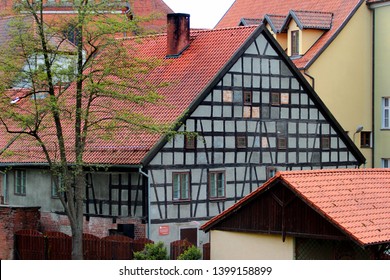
(257, 116)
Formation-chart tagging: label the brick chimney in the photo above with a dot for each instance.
(178, 33)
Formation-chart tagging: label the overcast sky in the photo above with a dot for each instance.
(204, 13)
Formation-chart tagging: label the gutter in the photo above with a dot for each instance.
(373, 91)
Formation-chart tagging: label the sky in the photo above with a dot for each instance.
(203, 13)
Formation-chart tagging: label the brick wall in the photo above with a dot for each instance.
(96, 225)
(12, 219)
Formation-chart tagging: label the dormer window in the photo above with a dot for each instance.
(295, 43)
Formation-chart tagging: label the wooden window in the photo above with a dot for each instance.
(241, 142)
(217, 184)
(325, 142)
(181, 186)
(271, 172)
(190, 142)
(56, 186)
(386, 113)
(275, 98)
(295, 42)
(282, 143)
(365, 139)
(20, 182)
(247, 97)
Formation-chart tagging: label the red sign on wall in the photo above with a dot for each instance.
(163, 230)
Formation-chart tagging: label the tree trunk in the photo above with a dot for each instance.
(77, 228)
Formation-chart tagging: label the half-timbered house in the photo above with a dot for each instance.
(248, 112)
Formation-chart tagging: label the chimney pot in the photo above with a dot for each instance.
(178, 33)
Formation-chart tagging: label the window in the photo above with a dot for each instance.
(282, 143)
(275, 98)
(295, 42)
(56, 186)
(181, 186)
(385, 163)
(271, 172)
(190, 142)
(247, 97)
(386, 113)
(217, 184)
(325, 142)
(20, 182)
(365, 139)
(241, 142)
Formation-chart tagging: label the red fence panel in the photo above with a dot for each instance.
(91, 247)
(206, 251)
(139, 244)
(178, 247)
(117, 247)
(29, 245)
(59, 246)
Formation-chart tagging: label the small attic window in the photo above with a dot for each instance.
(295, 43)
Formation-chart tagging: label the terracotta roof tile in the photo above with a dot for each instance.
(341, 10)
(275, 21)
(312, 19)
(187, 75)
(357, 201)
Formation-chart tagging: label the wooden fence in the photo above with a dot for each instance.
(34, 245)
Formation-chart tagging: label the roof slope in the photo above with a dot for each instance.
(342, 10)
(357, 201)
(187, 75)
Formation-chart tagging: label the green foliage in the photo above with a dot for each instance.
(152, 251)
(192, 253)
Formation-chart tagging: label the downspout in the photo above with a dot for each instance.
(148, 188)
(373, 90)
(5, 190)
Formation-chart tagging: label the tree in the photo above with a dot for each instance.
(55, 94)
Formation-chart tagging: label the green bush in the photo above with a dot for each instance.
(152, 251)
(192, 253)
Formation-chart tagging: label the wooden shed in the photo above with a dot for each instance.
(316, 214)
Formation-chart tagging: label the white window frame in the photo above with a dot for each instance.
(386, 113)
(20, 182)
(181, 186)
(385, 163)
(217, 185)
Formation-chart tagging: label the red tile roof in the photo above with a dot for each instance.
(275, 21)
(342, 10)
(310, 19)
(357, 201)
(188, 76)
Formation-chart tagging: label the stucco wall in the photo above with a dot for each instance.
(250, 246)
(343, 73)
(382, 81)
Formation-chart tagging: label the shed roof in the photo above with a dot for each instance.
(356, 201)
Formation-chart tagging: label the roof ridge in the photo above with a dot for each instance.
(192, 31)
(314, 12)
(341, 170)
